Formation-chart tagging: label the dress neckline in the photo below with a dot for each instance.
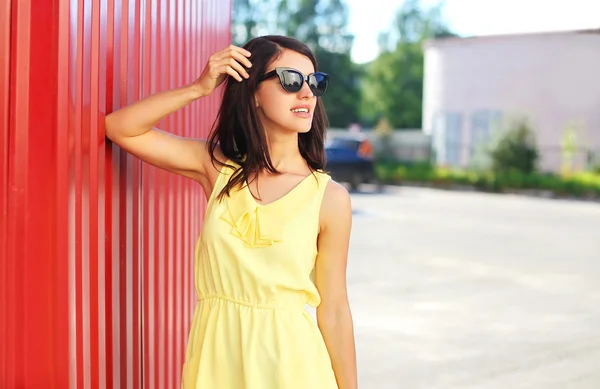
(282, 198)
(262, 225)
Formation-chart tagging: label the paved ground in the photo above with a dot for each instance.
(475, 291)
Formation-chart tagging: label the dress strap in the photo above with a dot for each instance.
(322, 181)
(222, 179)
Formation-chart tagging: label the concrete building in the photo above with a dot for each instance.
(552, 79)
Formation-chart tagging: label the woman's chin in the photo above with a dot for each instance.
(304, 130)
(291, 128)
(298, 130)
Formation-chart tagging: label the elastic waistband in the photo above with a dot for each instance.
(275, 305)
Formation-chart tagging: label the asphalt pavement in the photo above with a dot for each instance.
(475, 291)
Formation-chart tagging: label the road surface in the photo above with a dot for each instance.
(475, 291)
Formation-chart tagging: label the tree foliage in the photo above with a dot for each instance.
(393, 85)
(251, 18)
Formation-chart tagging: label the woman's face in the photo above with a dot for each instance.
(283, 111)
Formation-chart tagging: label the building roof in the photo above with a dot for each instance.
(541, 34)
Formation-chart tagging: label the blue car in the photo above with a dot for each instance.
(350, 160)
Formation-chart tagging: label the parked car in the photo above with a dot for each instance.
(350, 159)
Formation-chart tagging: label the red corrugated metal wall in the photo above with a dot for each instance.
(96, 276)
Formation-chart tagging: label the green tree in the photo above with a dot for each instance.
(343, 98)
(393, 85)
(393, 88)
(250, 19)
(321, 24)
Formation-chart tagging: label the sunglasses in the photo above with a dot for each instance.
(292, 80)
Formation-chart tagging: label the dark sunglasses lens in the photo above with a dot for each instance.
(318, 83)
(291, 81)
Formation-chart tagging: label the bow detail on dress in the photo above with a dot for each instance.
(249, 223)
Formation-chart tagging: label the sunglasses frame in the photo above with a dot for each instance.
(280, 73)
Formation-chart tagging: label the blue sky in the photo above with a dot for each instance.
(474, 17)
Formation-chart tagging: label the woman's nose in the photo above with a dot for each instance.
(305, 92)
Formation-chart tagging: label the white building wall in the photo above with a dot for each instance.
(552, 78)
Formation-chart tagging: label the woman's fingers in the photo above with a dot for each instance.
(241, 58)
(229, 70)
(235, 54)
(237, 67)
(232, 51)
(231, 61)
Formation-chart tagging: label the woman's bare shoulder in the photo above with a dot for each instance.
(336, 205)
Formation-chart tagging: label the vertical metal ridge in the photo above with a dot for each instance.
(188, 59)
(171, 127)
(162, 185)
(94, 195)
(145, 30)
(5, 80)
(76, 180)
(109, 213)
(74, 354)
(85, 193)
(135, 55)
(101, 14)
(61, 296)
(118, 170)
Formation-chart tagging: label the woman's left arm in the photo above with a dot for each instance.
(333, 314)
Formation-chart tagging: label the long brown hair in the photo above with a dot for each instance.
(238, 130)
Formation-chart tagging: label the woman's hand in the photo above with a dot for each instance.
(227, 62)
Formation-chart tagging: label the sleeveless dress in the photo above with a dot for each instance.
(253, 277)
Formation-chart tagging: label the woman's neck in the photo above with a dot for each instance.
(284, 152)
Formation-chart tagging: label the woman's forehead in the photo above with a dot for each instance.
(292, 59)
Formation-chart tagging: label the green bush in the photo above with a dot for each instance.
(576, 185)
(515, 151)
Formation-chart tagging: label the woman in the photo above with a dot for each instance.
(273, 217)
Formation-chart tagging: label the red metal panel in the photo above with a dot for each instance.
(36, 316)
(17, 182)
(5, 23)
(96, 248)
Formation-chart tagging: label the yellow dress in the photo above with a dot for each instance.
(253, 266)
